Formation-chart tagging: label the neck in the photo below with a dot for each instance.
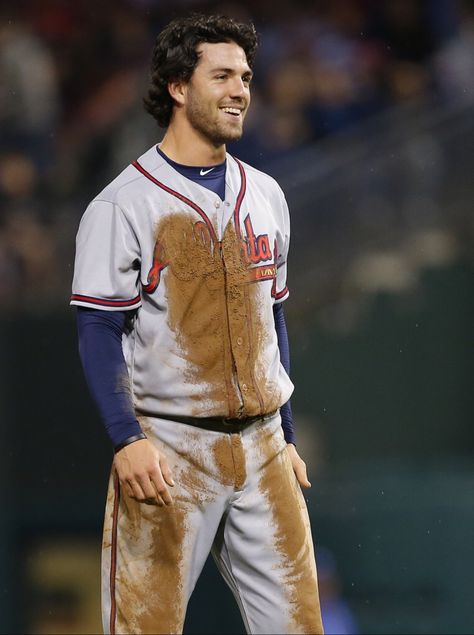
(185, 145)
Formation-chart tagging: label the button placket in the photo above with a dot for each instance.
(238, 320)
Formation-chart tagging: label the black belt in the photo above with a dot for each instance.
(218, 424)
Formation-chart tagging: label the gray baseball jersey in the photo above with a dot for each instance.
(205, 274)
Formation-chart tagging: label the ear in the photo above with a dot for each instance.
(177, 89)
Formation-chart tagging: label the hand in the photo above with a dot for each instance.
(144, 473)
(299, 466)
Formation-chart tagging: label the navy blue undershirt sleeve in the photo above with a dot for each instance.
(284, 346)
(100, 349)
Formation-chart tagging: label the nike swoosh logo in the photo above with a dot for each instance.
(204, 172)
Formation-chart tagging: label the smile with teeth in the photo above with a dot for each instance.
(231, 111)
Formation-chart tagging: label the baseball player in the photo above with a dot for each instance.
(179, 280)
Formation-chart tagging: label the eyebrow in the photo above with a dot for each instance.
(231, 71)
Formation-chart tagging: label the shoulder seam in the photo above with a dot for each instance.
(124, 215)
(131, 180)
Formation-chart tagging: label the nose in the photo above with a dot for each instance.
(239, 88)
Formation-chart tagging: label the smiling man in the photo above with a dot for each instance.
(179, 280)
(212, 104)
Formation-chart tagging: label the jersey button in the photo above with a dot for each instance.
(239, 341)
(244, 387)
(217, 204)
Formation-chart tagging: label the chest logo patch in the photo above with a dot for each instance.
(255, 249)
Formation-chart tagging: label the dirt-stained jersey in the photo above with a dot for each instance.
(204, 275)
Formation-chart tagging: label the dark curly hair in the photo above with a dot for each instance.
(175, 57)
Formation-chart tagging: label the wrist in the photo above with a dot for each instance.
(129, 440)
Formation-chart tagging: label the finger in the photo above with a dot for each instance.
(164, 495)
(166, 472)
(127, 489)
(149, 491)
(160, 487)
(137, 491)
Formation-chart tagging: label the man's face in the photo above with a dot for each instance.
(218, 93)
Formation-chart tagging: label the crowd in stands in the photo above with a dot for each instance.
(72, 77)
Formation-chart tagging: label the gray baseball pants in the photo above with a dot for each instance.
(235, 495)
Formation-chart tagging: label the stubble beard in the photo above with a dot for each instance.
(218, 134)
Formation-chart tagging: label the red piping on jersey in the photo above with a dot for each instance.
(281, 293)
(113, 555)
(240, 198)
(284, 291)
(118, 303)
(181, 197)
(201, 212)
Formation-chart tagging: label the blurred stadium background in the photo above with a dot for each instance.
(364, 112)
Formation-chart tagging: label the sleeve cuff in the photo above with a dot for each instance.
(129, 440)
(92, 302)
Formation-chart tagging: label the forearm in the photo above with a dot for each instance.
(100, 349)
(284, 347)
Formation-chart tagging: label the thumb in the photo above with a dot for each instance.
(302, 476)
